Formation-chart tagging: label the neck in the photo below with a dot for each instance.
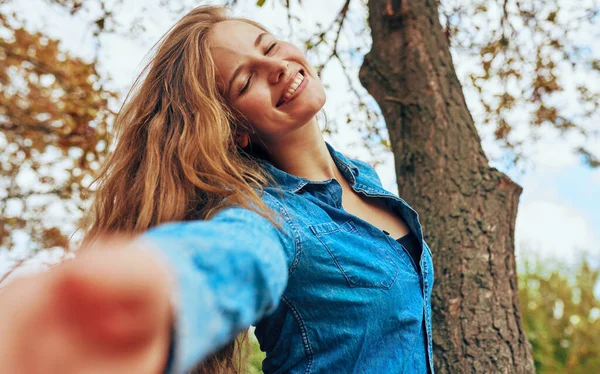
(303, 153)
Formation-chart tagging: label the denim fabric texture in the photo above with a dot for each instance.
(330, 293)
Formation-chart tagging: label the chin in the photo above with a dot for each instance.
(310, 112)
(321, 99)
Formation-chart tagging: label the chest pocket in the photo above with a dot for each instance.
(362, 263)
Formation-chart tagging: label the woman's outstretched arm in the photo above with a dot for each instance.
(111, 308)
(229, 274)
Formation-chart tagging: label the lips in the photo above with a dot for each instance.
(282, 99)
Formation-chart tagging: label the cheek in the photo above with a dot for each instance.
(253, 107)
(288, 49)
(292, 51)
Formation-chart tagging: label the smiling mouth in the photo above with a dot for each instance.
(291, 90)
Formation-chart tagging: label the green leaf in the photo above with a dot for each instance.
(260, 2)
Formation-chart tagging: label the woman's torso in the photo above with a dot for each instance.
(355, 302)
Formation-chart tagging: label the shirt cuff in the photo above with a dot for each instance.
(173, 364)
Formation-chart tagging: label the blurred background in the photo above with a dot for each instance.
(530, 71)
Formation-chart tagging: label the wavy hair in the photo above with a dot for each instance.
(175, 158)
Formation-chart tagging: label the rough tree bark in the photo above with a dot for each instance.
(467, 208)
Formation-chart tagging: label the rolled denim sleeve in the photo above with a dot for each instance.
(229, 272)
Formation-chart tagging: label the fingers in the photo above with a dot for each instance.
(115, 297)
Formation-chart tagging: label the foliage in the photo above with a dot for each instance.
(256, 356)
(54, 117)
(534, 70)
(561, 316)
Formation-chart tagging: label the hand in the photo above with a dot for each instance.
(106, 311)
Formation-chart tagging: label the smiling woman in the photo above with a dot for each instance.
(237, 212)
(262, 78)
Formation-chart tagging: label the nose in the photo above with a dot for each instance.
(277, 69)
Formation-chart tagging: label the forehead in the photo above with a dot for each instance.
(229, 41)
(232, 34)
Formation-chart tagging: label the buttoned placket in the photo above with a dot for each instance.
(415, 226)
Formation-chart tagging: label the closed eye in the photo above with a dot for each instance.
(271, 47)
(250, 77)
(246, 85)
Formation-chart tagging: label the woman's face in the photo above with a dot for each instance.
(267, 80)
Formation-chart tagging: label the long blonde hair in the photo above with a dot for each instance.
(175, 157)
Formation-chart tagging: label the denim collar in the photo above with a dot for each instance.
(292, 183)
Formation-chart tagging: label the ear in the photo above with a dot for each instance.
(242, 140)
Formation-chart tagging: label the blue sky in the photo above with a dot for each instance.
(579, 187)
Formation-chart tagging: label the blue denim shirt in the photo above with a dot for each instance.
(328, 293)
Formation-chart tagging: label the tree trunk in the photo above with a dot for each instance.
(467, 208)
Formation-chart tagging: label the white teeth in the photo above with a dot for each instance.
(299, 78)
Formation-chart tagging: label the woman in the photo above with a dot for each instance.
(270, 225)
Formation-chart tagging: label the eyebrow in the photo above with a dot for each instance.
(239, 68)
